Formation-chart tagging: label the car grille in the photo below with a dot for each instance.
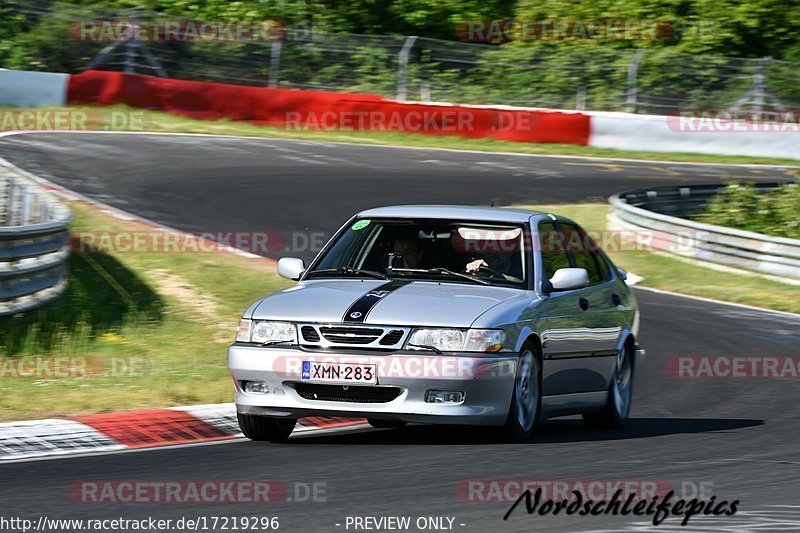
(393, 337)
(339, 393)
(346, 335)
(309, 334)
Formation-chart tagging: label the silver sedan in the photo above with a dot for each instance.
(442, 315)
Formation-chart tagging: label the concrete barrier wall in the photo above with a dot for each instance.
(32, 89)
(655, 133)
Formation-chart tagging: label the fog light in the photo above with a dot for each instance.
(444, 396)
(255, 387)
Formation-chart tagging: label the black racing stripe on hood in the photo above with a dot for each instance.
(360, 308)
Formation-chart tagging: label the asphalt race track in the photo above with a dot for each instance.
(197, 183)
(738, 438)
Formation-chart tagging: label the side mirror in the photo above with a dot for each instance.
(566, 279)
(622, 273)
(291, 268)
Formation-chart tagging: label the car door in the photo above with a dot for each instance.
(581, 328)
(566, 343)
(602, 323)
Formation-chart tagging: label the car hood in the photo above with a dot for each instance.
(419, 303)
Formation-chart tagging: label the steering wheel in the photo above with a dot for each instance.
(492, 272)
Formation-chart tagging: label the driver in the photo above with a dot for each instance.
(410, 250)
(494, 262)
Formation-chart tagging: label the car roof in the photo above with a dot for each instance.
(454, 212)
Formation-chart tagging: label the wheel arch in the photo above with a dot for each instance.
(629, 341)
(528, 336)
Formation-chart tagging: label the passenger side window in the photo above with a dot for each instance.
(551, 244)
(584, 252)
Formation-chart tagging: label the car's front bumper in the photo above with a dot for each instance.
(486, 381)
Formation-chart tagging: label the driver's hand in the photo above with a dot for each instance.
(476, 265)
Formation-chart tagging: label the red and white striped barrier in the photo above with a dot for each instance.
(298, 110)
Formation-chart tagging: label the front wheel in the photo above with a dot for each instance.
(526, 403)
(266, 428)
(620, 395)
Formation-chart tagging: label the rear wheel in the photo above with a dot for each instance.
(266, 428)
(386, 424)
(620, 394)
(526, 402)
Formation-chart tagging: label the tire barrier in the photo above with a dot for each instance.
(34, 243)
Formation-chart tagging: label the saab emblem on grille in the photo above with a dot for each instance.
(355, 314)
(377, 294)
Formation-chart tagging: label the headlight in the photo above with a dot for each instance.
(447, 340)
(269, 331)
(457, 340)
(261, 331)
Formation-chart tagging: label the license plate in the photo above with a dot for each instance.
(339, 373)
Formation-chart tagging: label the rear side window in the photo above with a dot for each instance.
(553, 251)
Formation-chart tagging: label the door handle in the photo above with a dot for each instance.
(584, 303)
(615, 299)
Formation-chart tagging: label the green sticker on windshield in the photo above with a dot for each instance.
(361, 224)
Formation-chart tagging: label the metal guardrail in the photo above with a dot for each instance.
(34, 243)
(659, 211)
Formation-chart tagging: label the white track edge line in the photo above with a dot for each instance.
(376, 145)
(712, 300)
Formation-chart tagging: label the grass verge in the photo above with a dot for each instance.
(150, 330)
(122, 118)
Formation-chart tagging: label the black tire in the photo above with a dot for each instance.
(386, 424)
(521, 423)
(620, 395)
(263, 428)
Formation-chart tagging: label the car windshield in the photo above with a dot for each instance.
(463, 252)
